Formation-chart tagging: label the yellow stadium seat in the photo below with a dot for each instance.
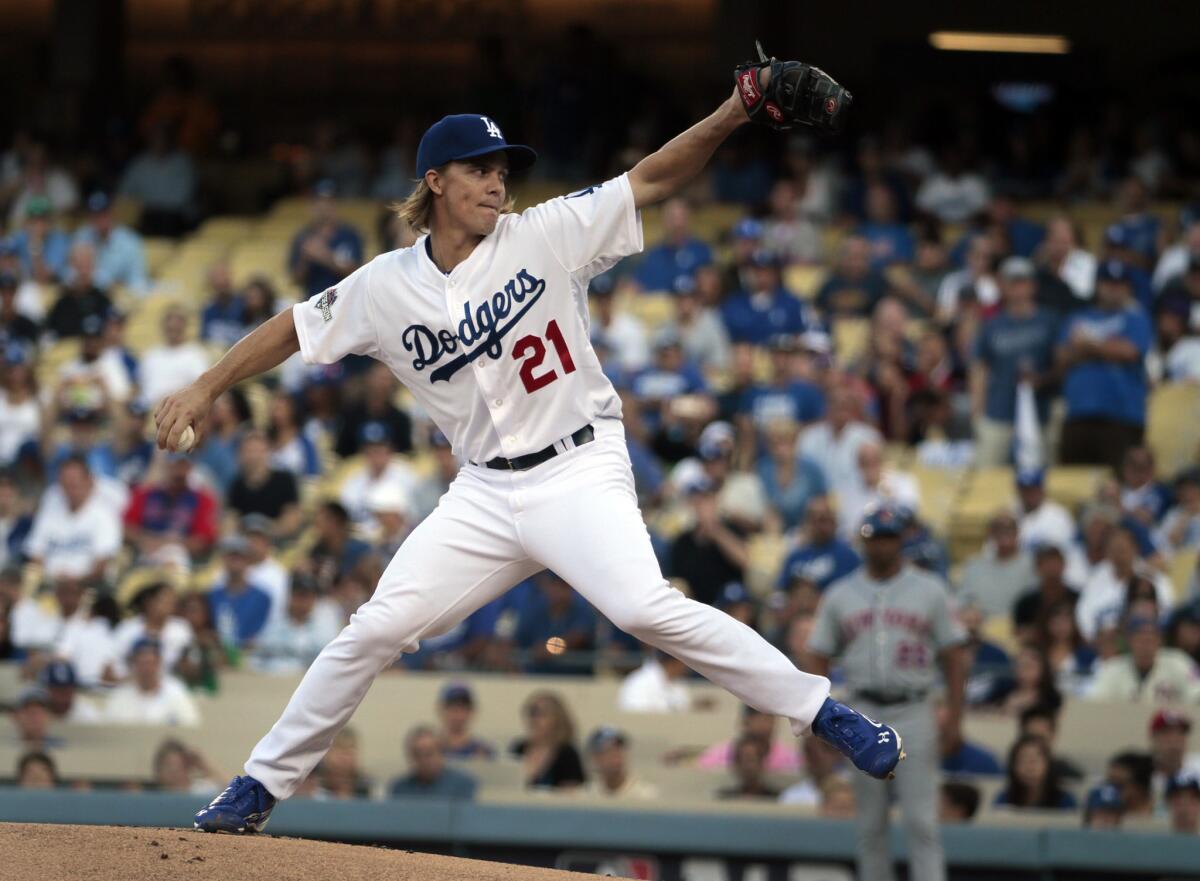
(158, 252)
(652, 309)
(1074, 485)
(766, 552)
(1172, 415)
(803, 281)
(851, 336)
(939, 489)
(227, 230)
(1181, 571)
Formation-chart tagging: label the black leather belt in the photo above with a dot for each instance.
(585, 435)
(891, 698)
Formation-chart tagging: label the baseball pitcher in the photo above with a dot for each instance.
(485, 320)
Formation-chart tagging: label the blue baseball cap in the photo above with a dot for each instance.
(1027, 477)
(883, 520)
(98, 202)
(375, 432)
(457, 693)
(604, 737)
(748, 228)
(1113, 270)
(464, 136)
(1105, 797)
(732, 594)
(59, 673)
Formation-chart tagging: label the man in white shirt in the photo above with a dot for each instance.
(1041, 520)
(1149, 673)
(66, 704)
(834, 442)
(170, 367)
(608, 749)
(75, 533)
(622, 332)
(150, 697)
(655, 687)
(381, 468)
(96, 366)
(877, 484)
(265, 571)
(1104, 594)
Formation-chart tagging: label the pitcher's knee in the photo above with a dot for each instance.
(378, 631)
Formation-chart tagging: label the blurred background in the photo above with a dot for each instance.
(902, 313)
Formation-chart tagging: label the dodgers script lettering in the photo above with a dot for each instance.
(480, 330)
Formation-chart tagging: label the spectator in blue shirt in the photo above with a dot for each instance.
(890, 241)
(1120, 244)
(822, 558)
(1142, 496)
(669, 377)
(428, 775)
(1017, 344)
(221, 319)
(41, 249)
(327, 250)
(791, 481)
(456, 710)
(680, 252)
(764, 308)
(854, 286)
(556, 623)
(239, 608)
(1141, 227)
(1101, 351)
(787, 396)
(120, 259)
(961, 756)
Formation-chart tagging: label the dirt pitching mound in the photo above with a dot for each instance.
(43, 852)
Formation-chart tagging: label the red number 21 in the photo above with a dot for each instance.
(533, 351)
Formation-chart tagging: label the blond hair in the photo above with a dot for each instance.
(417, 208)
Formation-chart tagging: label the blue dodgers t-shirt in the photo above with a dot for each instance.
(1108, 389)
(820, 564)
(664, 263)
(345, 242)
(755, 318)
(890, 243)
(246, 611)
(796, 401)
(1003, 345)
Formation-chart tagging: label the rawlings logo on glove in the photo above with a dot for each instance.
(795, 93)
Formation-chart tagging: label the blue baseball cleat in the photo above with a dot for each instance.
(874, 749)
(244, 806)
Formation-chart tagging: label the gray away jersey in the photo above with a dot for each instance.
(887, 634)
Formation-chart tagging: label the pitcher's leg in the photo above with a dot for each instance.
(462, 556)
(590, 532)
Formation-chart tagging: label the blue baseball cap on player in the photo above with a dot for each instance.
(883, 520)
(464, 136)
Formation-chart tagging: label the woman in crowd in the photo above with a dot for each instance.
(547, 751)
(20, 413)
(1032, 683)
(291, 449)
(1071, 659)
(790, 481)
(1032, 779)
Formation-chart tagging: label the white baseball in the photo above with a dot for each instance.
(186, 440)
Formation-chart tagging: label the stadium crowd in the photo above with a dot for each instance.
(865, 321)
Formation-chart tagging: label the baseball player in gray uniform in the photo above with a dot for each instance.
(890, 625)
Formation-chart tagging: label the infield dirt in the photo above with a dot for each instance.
(43, 852)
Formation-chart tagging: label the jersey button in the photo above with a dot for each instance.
(498, 401)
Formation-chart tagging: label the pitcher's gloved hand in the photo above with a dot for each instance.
(795, 94)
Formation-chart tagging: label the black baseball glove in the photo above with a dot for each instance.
(796, 94)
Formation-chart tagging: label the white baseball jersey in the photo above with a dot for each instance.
(496, 350)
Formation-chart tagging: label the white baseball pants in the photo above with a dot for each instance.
(576, 514)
